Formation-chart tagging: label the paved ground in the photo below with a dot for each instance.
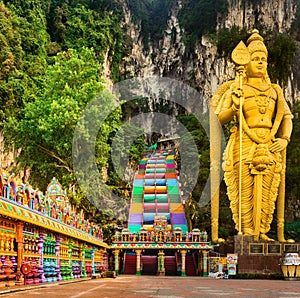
(162, 287)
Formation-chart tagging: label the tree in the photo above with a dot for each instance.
(84, 24)
(45, 133)
(23, 40)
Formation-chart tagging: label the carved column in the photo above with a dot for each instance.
(20, 241)
(41, 261)
(116, 253)
(93, 260)
(183, 254)
(70, 248)
(82, 257)
(161, 263)
(57, 254)
(138, 262)
(204, 264)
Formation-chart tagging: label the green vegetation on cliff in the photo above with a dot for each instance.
(152, 15)
(199, 17)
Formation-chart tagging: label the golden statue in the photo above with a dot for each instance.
(259, 140)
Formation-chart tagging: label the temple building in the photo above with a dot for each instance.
(43, 238)
(157, 240)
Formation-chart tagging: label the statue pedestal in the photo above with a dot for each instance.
(241, 244)
(260, 257)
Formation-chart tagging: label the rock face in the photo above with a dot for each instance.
(204, 69)
(276, 15)
(7, 158)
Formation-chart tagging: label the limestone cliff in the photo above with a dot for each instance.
(203, 68)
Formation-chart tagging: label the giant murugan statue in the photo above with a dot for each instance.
(254, 158)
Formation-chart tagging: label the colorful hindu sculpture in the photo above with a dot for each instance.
(54, 203)
(254, 159)
(46, 234)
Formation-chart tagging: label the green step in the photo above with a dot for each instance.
(138, 190)
(173, 190)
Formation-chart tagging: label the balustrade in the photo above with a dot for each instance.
(162, 236)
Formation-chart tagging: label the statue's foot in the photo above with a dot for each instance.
(218, 240)
(264, 237)
(290, 240)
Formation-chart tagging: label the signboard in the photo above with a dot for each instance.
(290, 247)
(216, 264)
(231, 269)
(256, 248)
(232, 259)
(274, 248)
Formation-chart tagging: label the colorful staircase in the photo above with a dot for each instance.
(149, 266)
(129, 263)
(170, 265)
(156, 192)
(190, 265)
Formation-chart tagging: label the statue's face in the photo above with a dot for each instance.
(257, 67)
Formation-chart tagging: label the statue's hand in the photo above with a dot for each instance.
(237, 97)
(278, 145)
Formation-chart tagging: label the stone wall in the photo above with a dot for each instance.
(259, 264)
(261, 257)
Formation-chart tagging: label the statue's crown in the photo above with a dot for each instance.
(256, 43)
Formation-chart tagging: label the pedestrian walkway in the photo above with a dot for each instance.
(163, 287)
(38, 286)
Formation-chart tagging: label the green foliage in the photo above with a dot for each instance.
(88, 24)
(127, 150)
(109, 232)
(281, 52)
(46, 131)
(191, 123)
(274, 276)
(228, 38)
(292, 230)
(152, 15)
(199, 17)
(23, 40)
(88, 28)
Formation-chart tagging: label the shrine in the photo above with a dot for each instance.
(157, 240)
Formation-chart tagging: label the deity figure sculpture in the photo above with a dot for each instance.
(254, 158)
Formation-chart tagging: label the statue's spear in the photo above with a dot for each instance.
(241, 57)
